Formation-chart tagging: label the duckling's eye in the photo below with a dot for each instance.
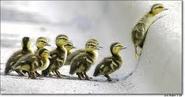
(92, 45)
(68, 45)
(42, 41)
(46, 53)
(117, 45)
(64, 39)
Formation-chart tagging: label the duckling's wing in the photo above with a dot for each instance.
(16, 56)
(27, 59)
(72, 55)
(13, 58)
(53, 54)
(138, 32)
(57, 58)
(77, 61)
(102, 65)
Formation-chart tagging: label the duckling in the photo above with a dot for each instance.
(73, 54)
(58, 56)
(31, 63)
(41, 43)
(82, 62)
(140, 30)
(110, 64)
(69, 47)
(26, 49)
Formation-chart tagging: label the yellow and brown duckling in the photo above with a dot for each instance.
(73, 54)
(26, 49)
(110, 64)
(82, 62)
(58, 56)
(32, 63)
(141, 28)
(41, 42)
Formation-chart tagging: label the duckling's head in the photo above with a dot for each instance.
(42, 42)
(92, 44)
(116, 48)
(61, 40)
(69, 46)
(26, 43)
(43, 53)
(157, 8)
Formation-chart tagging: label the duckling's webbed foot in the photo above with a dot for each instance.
(58, 74)
(23, 71)
(80, 76)
(32, 75)
(108, 78)
(37, 74)
(19, 72)
(44, 73)
(50, 75)
(86, 76)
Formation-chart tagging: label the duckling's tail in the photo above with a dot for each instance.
(7, 70)
(8, 66)
(96, 72)
(71, 71)
(73, 68)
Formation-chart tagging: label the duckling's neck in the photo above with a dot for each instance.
(60, 47)
(147, 19)
(89, 51)
(44, 59)
(68, 52)
(44, 63)
(92, 53)
(116, 55)
(25, 49)
(151, 13)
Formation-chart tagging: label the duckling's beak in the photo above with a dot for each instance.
(124, 47)
(73, 47)
(47, 44)
(49, 57)
(165, 9)
(99, 47)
